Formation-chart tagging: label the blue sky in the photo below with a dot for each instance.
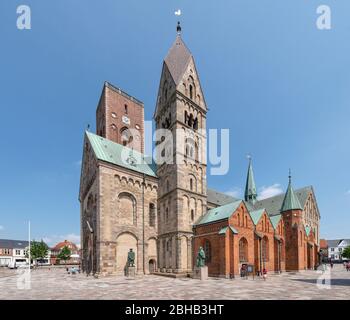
(269, 75)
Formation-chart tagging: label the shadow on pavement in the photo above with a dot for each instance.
(334, 282)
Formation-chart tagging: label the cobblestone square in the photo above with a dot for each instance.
(57, 284)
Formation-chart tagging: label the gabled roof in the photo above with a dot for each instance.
(13, 244)
(219, 198)
(114, 153)
(275, 220)
(224, 229)
(256, 215)
(219, 213)
(177, 59)
(333, 243)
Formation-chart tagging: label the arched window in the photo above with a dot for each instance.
(166, 214)
(301, 239)
(152, 215)
(239, 219)
(126, 137)
(191, 184)
(126, 108)
(207, 250)
(191, 91)
(265, 249)
(246, 221)
(243, 250)
(192, 214)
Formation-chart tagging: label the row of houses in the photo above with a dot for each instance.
(15, 252)
(333, 249)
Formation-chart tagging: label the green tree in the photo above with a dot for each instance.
(38, 250)
(346, 253)
(64, 254)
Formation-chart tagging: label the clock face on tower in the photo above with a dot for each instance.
(126, 120)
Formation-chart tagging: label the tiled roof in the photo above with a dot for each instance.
(273, 205)
(119, 155)
(177, 59)
(13, 244)
(333, 243)
(219, 198)
(220, 213)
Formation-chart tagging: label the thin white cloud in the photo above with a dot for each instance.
(1, 228)
(234, 192)
(54, 239)
(269, 191)
(348, 192)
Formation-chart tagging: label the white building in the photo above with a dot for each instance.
(336, 247)
(13, 251)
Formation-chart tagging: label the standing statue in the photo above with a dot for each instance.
(200, 258)
(131, 258)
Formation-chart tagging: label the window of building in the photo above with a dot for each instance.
(191, 91)
(191, 184)
(265, 249)
(166, 214)
(332, 249)
(207, 250)
(152, 215)
(18, 252)
(192, 214)
(243, 250)
(126, 108)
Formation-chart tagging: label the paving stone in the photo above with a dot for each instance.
(57, 284)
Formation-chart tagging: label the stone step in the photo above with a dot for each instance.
(170, 275)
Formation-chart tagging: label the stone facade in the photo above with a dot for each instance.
(157, 211)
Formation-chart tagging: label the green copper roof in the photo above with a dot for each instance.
(273, 205)
(224, 229)
(119, 155)
(275, 220)
(291, 201)
(219, 213)
(256, 215)
(250, 193)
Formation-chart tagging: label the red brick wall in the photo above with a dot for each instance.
(225, 247)
(109, 117)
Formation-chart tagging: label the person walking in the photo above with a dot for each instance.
(348, 266)
(264, 274)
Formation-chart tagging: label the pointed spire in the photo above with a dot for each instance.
(178, 57)
(291, 201)
(250, 194)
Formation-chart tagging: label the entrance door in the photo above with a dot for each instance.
(152, 266)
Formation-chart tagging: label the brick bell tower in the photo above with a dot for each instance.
(291, 211)
(181, 112)
(120, 118)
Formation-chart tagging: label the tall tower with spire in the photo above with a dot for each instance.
(181, 113)
(291, 211)
(250, 194)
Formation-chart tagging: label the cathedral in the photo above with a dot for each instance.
(164, 211)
